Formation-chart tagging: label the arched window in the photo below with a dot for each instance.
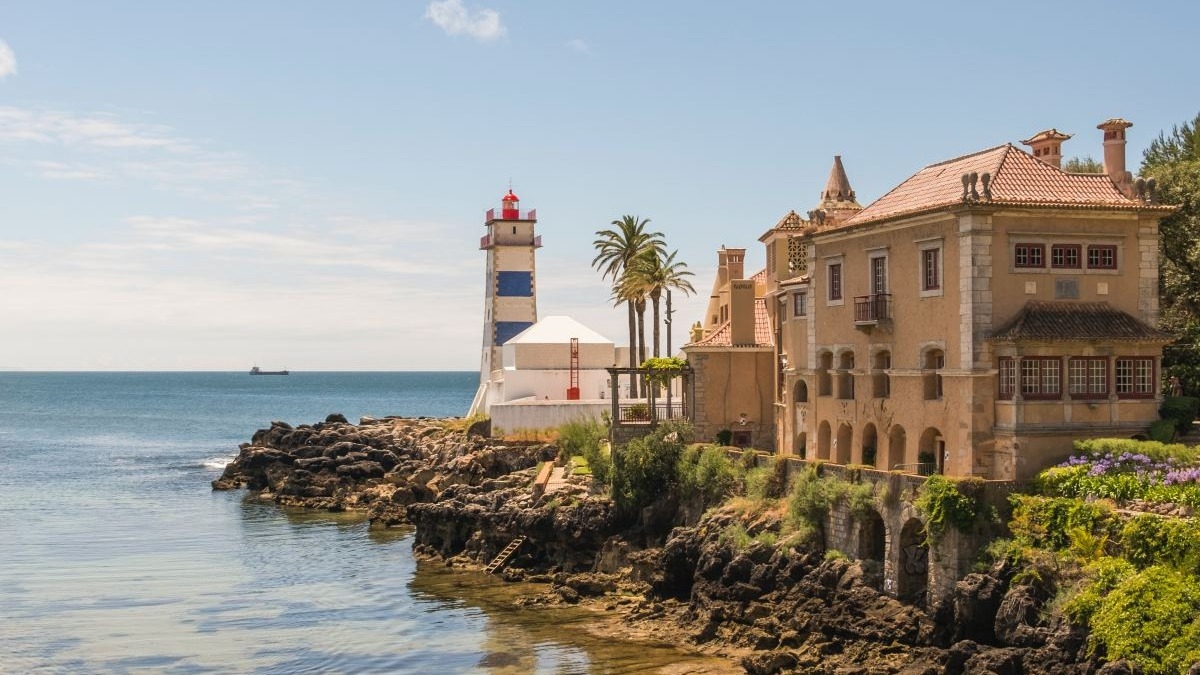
(882, 383)
(934, 361)
(824, 377)
(801, 392)
(845, 376)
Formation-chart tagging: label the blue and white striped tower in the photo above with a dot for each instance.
(510, 298)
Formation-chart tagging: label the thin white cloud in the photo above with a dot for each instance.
(98, 130)
(451, 16)
(68, 171)
(8, 60)
(579, 46)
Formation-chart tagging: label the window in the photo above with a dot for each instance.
(1041, 378)
(931, 277)
(879, 275)
(797, 256)
(1135, 377)
(1102, 257)
(1029, 255)
(1065, 256)
(882, 383)
(1008, 377)
(835, 281)
(800, 304)
(1087, 377)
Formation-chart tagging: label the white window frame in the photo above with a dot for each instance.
(830, 262)
(922, 247)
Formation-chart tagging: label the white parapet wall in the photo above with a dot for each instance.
(532, 414)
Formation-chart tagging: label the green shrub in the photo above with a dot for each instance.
(1163, 431)
(834, 554)
(1181, 410)
(1150, 619)
(767, 537)
(724, 437)
(1046, 522)
(735, 537)
(1103, 576)
(704, 471)
(1148, 540)
(644, 469)
(946, 502)
(586, 438)
(809, 502)
(767, 482)
(1155, 450)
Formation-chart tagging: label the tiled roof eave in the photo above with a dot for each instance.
(1107, 338)
(947, 206)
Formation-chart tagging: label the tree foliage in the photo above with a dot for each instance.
(1173, 160)
(1083, 165)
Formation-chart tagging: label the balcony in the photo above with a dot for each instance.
(489, 240)
(510, 214)
(870, 310)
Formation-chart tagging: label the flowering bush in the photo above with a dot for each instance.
(1143, 470)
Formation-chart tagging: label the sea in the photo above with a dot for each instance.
(116, 556)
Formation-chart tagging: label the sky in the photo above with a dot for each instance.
(302, 184)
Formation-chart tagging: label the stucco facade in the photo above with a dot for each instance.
(974, 320)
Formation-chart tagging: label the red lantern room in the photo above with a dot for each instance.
(510, 207)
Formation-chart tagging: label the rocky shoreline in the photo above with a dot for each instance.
(665, 576)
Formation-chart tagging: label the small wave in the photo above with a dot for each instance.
(216, 462)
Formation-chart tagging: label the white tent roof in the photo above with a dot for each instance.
(558, 330)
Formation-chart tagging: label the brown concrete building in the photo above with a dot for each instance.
(974, 320)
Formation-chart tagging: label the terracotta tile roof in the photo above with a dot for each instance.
(719, 337)
(1074, 321)
(1017, 179)
(760, 276)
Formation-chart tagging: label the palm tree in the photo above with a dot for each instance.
(616, 250)
(655, 274)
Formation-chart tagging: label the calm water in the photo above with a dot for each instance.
(117, 557)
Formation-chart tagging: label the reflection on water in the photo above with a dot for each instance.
(117, 557)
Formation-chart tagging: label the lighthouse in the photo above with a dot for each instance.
(510, 286)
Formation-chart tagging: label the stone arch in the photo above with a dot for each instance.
(824, 440)
(800, 393)
(845, 443)
(824, 376)
(870, 445)
(912, 574)
(872, 537)
(931, 451)
(845, 383)
(895, 447)
(802, 445)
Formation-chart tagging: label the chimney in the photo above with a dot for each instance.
(1114, 152)
(735, 262)
(1047, 146)
(741, 312)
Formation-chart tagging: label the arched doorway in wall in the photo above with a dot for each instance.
(912, 574)
(872, 537)
(824, 440)
(845, 444)
(800, 393)
(931, 452)
(802, 445)
(870, 446)
(895, 448)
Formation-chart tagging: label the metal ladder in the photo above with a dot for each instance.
(504, 555)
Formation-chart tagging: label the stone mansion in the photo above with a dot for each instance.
(973, 321)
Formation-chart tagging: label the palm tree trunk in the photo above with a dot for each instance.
(654, 297)
(641, 324)
(633, 388)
